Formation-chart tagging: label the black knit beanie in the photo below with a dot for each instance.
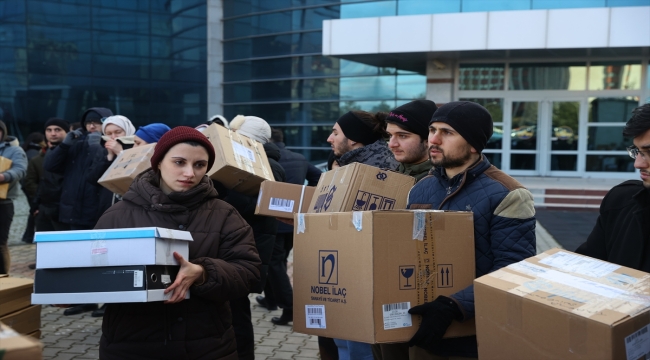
(414, 117)
(58, 122)
(472, 121)
(356, 130)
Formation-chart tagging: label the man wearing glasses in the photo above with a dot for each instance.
(622, 231)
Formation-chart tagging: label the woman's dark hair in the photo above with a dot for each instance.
(377, 122)
(639, 123)
(33, 138)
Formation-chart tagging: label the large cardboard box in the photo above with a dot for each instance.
(241, 163)
(112, 284)
(13, 346)
(356, 274)
(129, 164)
(24, 321)
(110, 247)
(282, 200)
(5, 164)
(360, 187)
(14, 294)
(561, 305)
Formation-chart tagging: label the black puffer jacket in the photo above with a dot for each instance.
(297, 168)
(200, 327)
(79, 199)
(622, 231)
(264, 228)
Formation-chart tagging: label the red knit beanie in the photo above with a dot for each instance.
(178, 135)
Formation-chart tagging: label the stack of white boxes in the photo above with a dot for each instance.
(107, 266)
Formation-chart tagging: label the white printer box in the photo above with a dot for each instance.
(110, 247)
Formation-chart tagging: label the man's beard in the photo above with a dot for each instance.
(417, 156)
(449, 162)
(342, 149)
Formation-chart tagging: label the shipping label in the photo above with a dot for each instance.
(397, 315)
(315, 316)
(637, 345)
(278, 204)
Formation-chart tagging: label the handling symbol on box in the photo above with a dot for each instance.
(405, 273)
(445, 275)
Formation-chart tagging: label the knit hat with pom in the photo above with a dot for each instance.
(252, 127)
(179, 135)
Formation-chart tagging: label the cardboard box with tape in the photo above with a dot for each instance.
(129, 164)
(241, 163)
(14, 346)
(561, 305)
(282, 200)
(360, 187)
(110, 247)
(373, 266)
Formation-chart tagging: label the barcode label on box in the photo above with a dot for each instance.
(315, 316)
(284, 205)
(137, 278)
(397, 315)
(637, 345)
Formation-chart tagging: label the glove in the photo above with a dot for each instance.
(71, 136)
(94, 138)
(436, 318)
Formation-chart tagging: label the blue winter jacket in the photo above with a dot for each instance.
(504, 218)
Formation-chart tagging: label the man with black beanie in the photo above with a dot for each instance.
(504, 218)
(408, 129)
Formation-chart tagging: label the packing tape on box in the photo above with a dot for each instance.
(515, 313)
(439, 219)
(99, 253)
(578, 335)
(419, 224)
(357, 220)
(334, 221)
(267, 174)
(302, 196)
(300, 227)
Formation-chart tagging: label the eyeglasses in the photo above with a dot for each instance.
(634, 151)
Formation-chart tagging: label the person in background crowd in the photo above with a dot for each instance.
(504, 218)
(75, 126)
(264, 229)
(79, 207)
(219, 120)
(149, 134)
(357, 136)
(408, 131)
(621, 232)
(278, 289)
(9, 149)
(223, 263)
(48, 185)
(118, 136)
(33, 146)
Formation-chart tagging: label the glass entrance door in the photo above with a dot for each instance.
(564, 124)
(524, 139)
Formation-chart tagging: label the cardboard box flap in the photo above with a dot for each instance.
(15, 346)
(112, 234)
(584, 286)
(13, 283)
(128, 162)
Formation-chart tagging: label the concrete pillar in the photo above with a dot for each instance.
(215, 57)
(440, 80)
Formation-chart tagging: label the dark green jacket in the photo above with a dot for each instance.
(418, 171)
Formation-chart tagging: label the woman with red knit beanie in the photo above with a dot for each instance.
(223, 262)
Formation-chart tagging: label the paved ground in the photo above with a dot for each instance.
(569, 228)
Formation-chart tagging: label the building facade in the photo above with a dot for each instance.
(144, 59)
(559, 77)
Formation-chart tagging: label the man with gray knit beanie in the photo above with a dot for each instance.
(504, 218)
